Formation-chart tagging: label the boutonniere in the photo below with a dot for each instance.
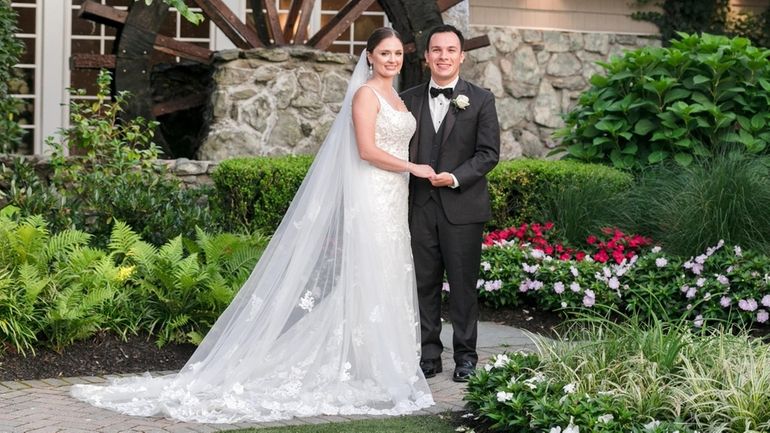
(461, 102)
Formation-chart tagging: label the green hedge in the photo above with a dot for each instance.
(255, 192)
(517, 186)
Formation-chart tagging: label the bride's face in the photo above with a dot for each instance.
(387, 57)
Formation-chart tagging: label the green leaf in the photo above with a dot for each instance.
(657, 156)
(676, 94)
(643, 126)
(683, 159)
(700, 79)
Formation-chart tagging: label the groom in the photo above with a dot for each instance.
(458, 134)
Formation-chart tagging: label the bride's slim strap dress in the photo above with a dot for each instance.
(327, 323)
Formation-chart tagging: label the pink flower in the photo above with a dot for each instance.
(558, 287)
(725, 301)
(575, 287)
(762, 316)
(445, 286)
(766, 300)
(698, 322)
(589, 299)
(613, 283)
(723, 280)
(661, 262)
(747, 304)
(691, 292)
(738, 251)
(491, 286)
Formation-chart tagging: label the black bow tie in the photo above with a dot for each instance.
(446, 91)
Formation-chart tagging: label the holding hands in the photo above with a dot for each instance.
(420, 170)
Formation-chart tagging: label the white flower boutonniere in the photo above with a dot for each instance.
(461, 101)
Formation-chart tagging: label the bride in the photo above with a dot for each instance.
(327, 323)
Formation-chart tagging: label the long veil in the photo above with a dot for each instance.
(301, 337)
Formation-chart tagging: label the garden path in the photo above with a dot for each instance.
(44, 406)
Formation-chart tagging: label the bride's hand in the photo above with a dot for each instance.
(421, 170)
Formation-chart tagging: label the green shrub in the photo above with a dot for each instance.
(676, 103)
(254, 193)
(687, 209)
(632, 376)
(56, 287)
(117, 177)
(12, 47)
(520, 189)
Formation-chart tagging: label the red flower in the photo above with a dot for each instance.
(601, 256)
(591, 239)
(564, 256)
(579, 256)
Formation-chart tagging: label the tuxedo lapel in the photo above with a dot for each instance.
(419, 102)
(449, 121)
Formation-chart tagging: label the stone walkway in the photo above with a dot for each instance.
(44, 406)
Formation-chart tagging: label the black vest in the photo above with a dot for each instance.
(428, 145)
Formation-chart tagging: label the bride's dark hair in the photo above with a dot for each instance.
(378, 35)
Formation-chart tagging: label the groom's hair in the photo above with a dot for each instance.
(445, 28)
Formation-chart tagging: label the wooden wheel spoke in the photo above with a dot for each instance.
(239, 33)
(179, 104)
(339, 23)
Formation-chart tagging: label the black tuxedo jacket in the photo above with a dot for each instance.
(469, 148)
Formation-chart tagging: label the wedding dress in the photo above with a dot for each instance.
(327, 323)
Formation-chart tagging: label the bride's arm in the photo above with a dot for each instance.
(365, 109)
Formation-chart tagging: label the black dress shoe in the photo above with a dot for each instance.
(463, 371)
(431, 367)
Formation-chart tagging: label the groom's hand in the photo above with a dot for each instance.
(442, 179)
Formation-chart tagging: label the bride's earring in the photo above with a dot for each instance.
(371, 70)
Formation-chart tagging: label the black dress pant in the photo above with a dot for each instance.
(439, 246)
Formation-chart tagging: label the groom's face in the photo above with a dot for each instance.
(444, 57)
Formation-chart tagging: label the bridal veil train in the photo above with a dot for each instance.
(327, 323)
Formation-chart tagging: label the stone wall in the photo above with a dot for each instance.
(537, 75)
(283, 101)
(274, 101)
(191, 173)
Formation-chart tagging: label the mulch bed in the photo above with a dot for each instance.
(107, 354)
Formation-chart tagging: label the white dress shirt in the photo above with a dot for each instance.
(439, 106)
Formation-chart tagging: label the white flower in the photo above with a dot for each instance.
(573, 270)
(487, 367)
(698, 322)
(613, 283)
(738, 251)
(652, 425)
(307, 301)
(237, 388)
(656, 249)
(445, 286)
(480, 283)
(700, 282)
(503, 396)
(563, 304)
(501, 361)
(556, 429)
(569, 388)
(762, 316)
(606, 418)
(461, 101)
(575, 287)
(661, 262)
(723, 280)
(747, 305)
(530, 269)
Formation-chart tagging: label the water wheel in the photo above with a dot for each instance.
(137, 38)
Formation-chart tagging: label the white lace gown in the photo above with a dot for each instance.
(327, 324)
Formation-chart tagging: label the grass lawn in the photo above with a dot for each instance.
(403, 424)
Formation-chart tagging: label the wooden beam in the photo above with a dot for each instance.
(476, 43)
(102, 14)
(179, 104)
(273, 24)
(184, 50)
(444, 5)
(239, 33)
(334, 28)
(299, 9)
(92, 61)
(107, 15)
